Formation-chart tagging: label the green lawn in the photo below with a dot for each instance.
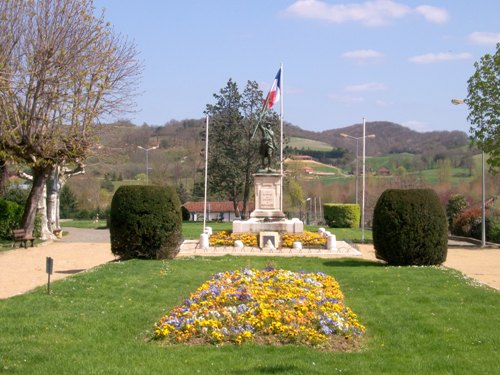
(419, 320)
(192, 230)
(302, 143)
(83, 224)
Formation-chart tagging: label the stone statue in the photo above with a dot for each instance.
(267, 145)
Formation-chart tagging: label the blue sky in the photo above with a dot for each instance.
(392, 60)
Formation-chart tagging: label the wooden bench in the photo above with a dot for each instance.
(20, 236)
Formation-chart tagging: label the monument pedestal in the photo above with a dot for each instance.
(267, 197)
(268, 216)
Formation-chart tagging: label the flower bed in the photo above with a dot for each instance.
(271, 306)
(308, 239)
(226, 238)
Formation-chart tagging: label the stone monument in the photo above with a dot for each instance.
(268, 215)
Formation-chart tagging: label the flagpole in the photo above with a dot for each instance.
(281, 134)
(206, 177)
(364, 175)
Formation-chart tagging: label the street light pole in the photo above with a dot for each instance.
(363, 192)
(357, 171)
(356, 175)
(483, 204)
(308, 213)
(364, 173)
(147, 160)
(483, 188)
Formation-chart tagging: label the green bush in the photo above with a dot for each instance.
(467, 223)
(410, 227)
(10, 217)
(186, 215)
(84, 214)
(67, 202)
(456, 205)
(17, 195)
(339, 215)
(145, 222)
(493, 229)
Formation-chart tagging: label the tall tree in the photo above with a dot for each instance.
(233, 153)
(61, 68)
(483, 100)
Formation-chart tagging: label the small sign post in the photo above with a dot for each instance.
(49, 267)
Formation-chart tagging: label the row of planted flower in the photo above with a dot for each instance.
(272, 306)
(307, 238)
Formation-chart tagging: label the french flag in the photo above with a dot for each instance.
(274, 94)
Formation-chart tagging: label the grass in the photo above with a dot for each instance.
(88, 224)
(302, 143)
(423, 320)
(192, 229)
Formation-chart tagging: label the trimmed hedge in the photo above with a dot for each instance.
(10, 217)
(338, 215)
(410, 227)
(145, 222)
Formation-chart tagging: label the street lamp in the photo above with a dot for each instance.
(308, 211)
(357, 159)
(483, 190)
(364, 174)
(147, 160)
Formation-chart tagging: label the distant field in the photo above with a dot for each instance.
(310, 144)
(317, 167)
(389, 161)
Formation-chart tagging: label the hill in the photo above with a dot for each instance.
(183, 140)
(391, 138)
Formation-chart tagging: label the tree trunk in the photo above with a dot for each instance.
(246, 194)
(45, 230)
(52, 199)
(40, 176)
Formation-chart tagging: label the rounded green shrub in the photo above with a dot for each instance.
(145, 222)
(10, 218)
(410, 227)
(339, 215)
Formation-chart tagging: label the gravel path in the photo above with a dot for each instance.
(76, 235)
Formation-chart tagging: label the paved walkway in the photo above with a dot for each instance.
(24, 269)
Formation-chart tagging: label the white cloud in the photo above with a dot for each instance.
(346, 99)
(439, 57)
(479, 37)
(369, 13)
(371, 86)
(433, 14)
(362, 54)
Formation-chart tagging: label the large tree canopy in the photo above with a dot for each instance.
(61, 68)
(483, 100)
(233, 153)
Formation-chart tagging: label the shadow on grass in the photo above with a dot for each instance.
(353, 263)
(70, 272)
(276, 369)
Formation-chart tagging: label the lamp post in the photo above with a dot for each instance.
(308, 209)
(357, 159)
(483, 189)
(364, 174)
(147, 160)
